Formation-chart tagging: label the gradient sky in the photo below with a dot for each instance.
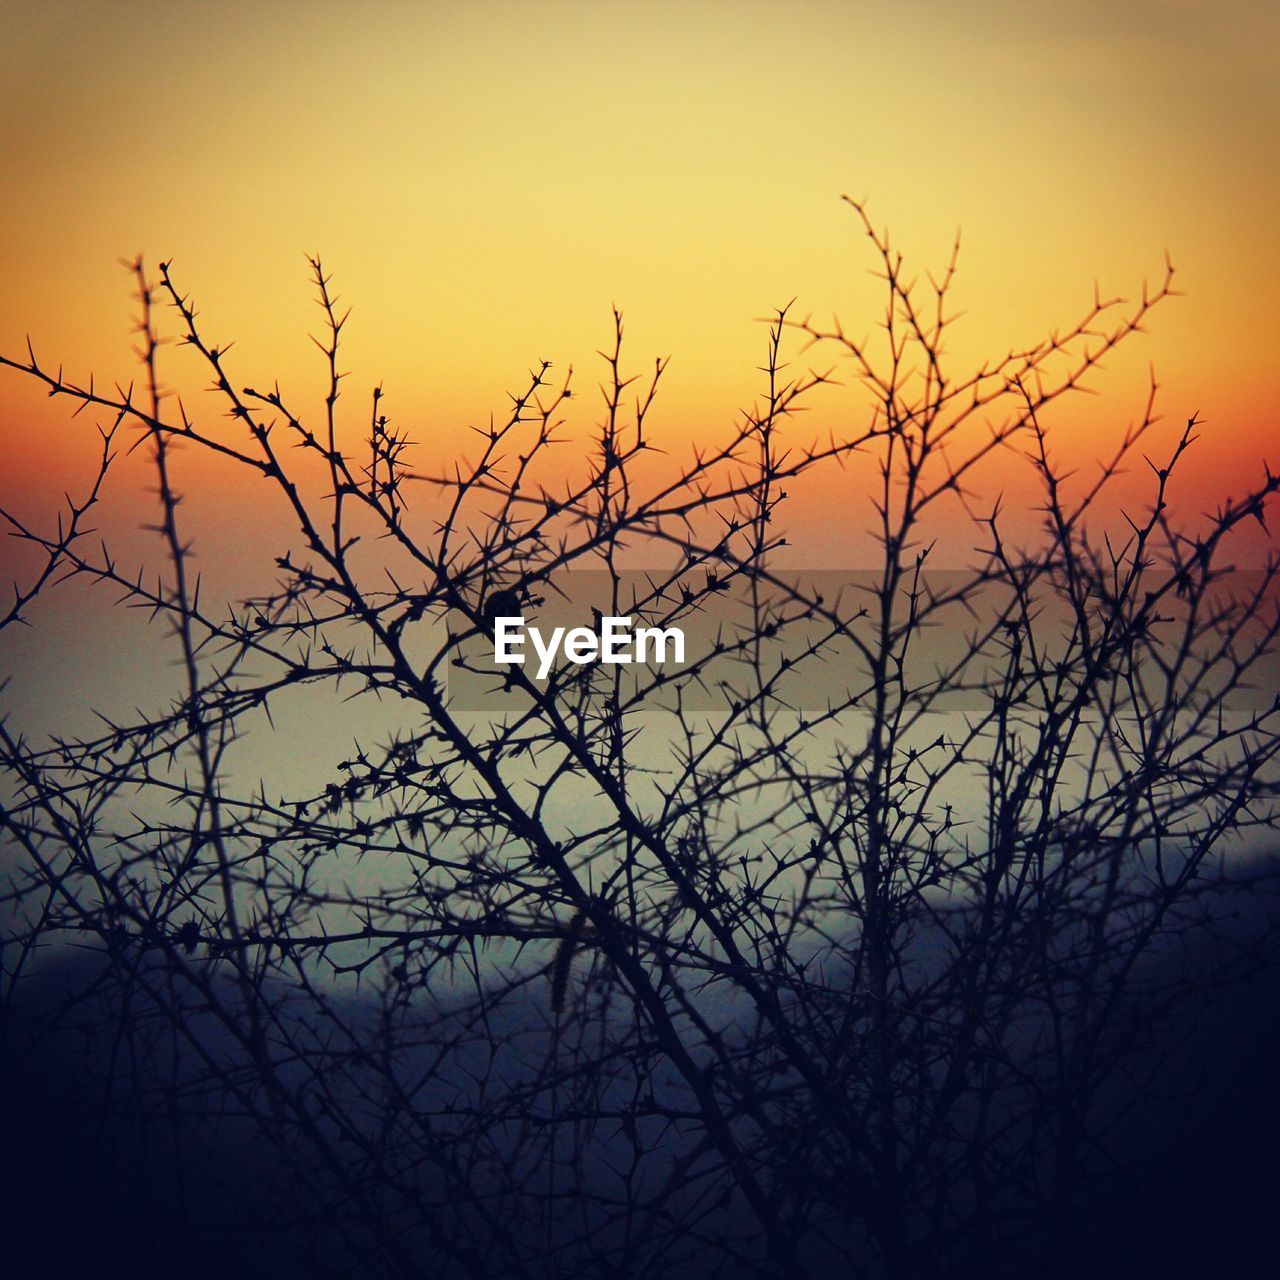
(484, 181)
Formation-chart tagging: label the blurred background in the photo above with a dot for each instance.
(485, 181)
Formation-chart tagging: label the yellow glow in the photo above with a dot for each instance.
(485, 181)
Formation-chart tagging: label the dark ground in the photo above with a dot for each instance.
(94, 1193)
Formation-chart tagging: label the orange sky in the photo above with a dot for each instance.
(485, 181)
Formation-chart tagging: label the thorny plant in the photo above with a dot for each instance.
(748, 984)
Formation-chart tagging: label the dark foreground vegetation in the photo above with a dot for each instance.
(100, 1180)
(916, 928)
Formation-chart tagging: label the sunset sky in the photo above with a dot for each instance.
(485, 181)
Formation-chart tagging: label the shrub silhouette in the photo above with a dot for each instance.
(850, 943)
